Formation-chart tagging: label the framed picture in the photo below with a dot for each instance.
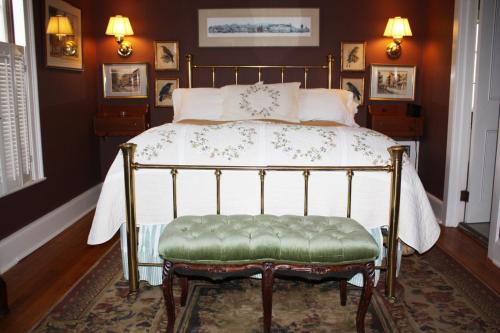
(352, 56)
(163, 91)
(63, 51)
(392, 82)
(166, 55)
(356, 86)
(125, 80)
(258, 27)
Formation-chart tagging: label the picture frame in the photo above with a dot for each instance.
(352, 56)
(256, 27)
(356, 85)
(392, 82)
(166, 55)
(65, 52)
(163, 91)
(125, 80)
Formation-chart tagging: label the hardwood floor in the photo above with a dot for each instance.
(40, 280)
(36, 283)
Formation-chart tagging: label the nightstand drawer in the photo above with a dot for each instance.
(397, 126)
(116, 120)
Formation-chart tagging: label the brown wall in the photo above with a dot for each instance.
(436, 66)
(70, 151)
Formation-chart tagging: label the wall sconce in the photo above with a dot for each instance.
(119, 26)
(397, 28)
(60, 26)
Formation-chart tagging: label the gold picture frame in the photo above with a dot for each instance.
(166, 55)
(392, 82)
(56, 54)
(125, 80)
(352, 57)
(163, 91)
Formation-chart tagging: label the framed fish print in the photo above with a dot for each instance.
(163, 91)
(125, 80)
(166, 55)
(353, 56)
(356, 86)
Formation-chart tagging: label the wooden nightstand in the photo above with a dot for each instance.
(121, 120)
(393, 121)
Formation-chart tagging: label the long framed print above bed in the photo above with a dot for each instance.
(258, 27)
(125, 80)
(392, 82)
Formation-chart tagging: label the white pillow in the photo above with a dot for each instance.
(261, 101)
(197, 103)
(327, 104)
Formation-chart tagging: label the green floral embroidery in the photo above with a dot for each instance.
(151, 150)
(256, 110)
(360, 145)
(230, 151)
(313, 153)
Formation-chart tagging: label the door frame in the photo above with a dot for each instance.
(459, 113)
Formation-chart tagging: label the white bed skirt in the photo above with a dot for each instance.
(147, 251)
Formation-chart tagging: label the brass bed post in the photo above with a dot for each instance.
(128, 150)
(189, 61)
(397, 165)
(330, 68)
(262, 174)
(350, 173)
(306, 175)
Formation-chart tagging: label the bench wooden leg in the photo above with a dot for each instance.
(366, 295)
(168, 274)
(343, 292)
(184, 282)
(267, 295)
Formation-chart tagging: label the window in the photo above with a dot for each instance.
(20, 148)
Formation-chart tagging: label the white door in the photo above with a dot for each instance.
(485, 120)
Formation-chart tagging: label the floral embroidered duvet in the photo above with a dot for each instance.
(263, 143)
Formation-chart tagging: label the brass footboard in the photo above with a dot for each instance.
(130, 167)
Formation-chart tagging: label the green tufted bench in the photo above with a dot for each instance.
(221, 246)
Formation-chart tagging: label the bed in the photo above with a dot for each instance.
(178, 161)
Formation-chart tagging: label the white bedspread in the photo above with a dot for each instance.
(262, 143)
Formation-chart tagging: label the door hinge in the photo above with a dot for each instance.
(464, 196)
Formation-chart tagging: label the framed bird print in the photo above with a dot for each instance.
(125, 80)
(166, 55)
(353, 56)
(356, 86)
(163, 91)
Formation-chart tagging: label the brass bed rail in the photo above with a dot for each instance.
(130, 168)
(259, 68)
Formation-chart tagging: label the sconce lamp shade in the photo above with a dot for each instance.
(60, 26)
(397, 28)
(119, 26)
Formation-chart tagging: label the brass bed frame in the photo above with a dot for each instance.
(130, 168)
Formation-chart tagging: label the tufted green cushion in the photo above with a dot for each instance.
(238, 239)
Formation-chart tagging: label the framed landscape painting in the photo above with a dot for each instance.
(392, 82)
(258, 27)
(163, 91)
(63, 51)
(166, 55)
(354, 85)
(353, 56)
(125, 80)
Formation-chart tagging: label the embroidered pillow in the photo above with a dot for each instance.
(327, 104)
(261, 101)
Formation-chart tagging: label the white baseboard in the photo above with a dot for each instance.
(23, 242)
(437, 206)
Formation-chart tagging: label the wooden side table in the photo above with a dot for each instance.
(4, 306)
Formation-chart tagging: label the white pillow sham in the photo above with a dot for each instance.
(327, 104)
(197, 103)
(261, 101)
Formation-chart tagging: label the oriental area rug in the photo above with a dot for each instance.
(435, 295)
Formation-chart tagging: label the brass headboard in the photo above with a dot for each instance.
(236, 68)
